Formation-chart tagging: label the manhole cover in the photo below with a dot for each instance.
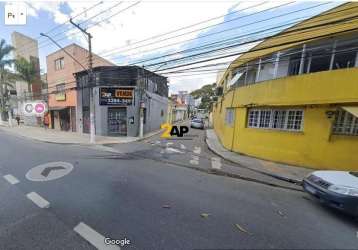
(49, 171)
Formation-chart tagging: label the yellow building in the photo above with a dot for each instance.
(293, 98)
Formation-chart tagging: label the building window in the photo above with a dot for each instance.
(294, 120)
(253, 118)
(60, 87)
(265, 118)
(59, 63)
(345, 123)
(280, 119)
(230, 116)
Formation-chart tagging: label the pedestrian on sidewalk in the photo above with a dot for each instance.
(17, 118)
(46, 121)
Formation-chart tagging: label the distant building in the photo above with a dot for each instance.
(62, 98)
(119, 94)
(27, 48)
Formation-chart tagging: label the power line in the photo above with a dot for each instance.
(189, 32)
(62, 24)
(252, 41)
(262, 20)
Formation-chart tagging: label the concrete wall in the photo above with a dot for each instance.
(156, 108)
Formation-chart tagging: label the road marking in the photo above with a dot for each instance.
(49, 171)
(215, 163)
(197, 150)
(157, 142)
(169, 143)
(194, 160)
(173, 150)
(38, 200)
(182, 146)
(162, 151)
(11, 179)
(93, 237)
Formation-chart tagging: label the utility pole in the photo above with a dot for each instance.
(141, 110)
(90, 82)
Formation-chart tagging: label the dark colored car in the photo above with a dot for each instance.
(337, 189)
(197, 123)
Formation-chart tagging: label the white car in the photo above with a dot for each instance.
(338, 189)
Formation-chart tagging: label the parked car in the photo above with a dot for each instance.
(197, 123)
(338, 189)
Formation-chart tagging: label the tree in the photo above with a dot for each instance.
(5, 51)
(26, 71)
(206, 93)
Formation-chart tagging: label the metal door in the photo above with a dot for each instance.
(117, 121)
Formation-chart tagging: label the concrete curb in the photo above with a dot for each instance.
(151, 134)
(280, 177)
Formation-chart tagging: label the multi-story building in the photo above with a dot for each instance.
(293, 98)
(120, 93)
(27, 48)
(62, 99)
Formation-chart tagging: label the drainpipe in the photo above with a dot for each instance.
(277, 60)
(333, 54)
(302, 62)
(258, 71)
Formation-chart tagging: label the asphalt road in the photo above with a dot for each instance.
(144, 194)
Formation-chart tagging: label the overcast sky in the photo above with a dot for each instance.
(119, 28)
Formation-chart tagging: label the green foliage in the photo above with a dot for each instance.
(26, 71)
(206, 93)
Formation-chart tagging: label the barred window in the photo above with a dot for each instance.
(345, 123)
(265, 118)
(294, 119)
(229, 116)
(279, 119)
(253, 118)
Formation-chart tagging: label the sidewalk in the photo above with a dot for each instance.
(62, 137)
(277, 170)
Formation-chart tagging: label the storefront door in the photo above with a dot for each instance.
(117, 121)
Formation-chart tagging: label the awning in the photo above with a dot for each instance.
(351, 109)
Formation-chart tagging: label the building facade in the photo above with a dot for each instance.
(293, 98)
(62, 93)
(119, 94)
(27, 48)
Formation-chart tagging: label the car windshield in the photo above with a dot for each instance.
(197, 120)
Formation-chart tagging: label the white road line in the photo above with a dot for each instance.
(194, 160)
(197, 150)
(11, 179)
(169, 143)
(182, 146)
(38, 200)
(173, 150)
(215, 163)
(96, 239)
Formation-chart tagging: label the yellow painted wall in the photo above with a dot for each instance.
(311, 148)
(316, 93)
